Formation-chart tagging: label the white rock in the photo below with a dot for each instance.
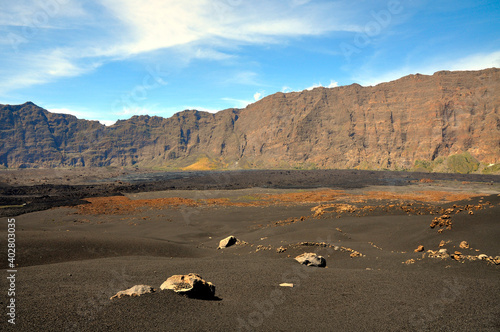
(227, 242)
(137, 290)
(286, 284)
(191, 285)
(311, 259)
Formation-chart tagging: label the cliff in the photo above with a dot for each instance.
(415, 121)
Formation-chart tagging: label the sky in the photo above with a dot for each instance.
(111, 59)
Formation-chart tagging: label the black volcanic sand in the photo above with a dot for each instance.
(71, 264)
(28, 190)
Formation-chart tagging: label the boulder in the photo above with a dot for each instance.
(227, 242)
(311, 259)
(191, 285)
(137, 290)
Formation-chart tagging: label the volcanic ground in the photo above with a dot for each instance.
(383, 236)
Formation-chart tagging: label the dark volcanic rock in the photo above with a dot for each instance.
(390, 125)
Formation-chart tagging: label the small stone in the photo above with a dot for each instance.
(443, 252)
(227, 242)
(442, 243)
(285, 284)
(464, 245)
(280, 250)
(311, 259)
(137, 290)
(419, 249)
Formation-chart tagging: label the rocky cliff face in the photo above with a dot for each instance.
(391, 125)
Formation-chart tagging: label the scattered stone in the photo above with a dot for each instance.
(355, 254)
(285, 284)
(442, 243)
(311, 259)
(261, 247)
(409, 261)
(419, 248)
(482, 257)
(191, 285)
(227, 242)
(443, 251)
(464, 245)
(280, 250)
(137, 290)
(496, 260)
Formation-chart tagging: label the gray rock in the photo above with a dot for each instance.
(311, 259)
(227, 242)
(137, 290)
(191, 285)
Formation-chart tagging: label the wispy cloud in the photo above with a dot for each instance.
(204, 29)
(237, 103)
(475, 61)
(333, 84)
(81, 114)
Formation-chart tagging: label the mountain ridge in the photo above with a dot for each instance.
(417, 120)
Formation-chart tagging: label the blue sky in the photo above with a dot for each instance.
(111, 59)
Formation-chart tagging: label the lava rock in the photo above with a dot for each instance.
(227, 242)
(191, 285)
(311, 259)
(136, 290)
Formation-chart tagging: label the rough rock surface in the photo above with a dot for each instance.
(311, 259)
(136, 290)
(191, 285)
(391, 125)
(227, 242)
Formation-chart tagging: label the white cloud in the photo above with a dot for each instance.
(39, 14)
(332, 84)
(26, 70)
(81, 114)
(107, 123)
(476, 61)
(237, 103)
(118, 29)
(257, 96)
(243, 77)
